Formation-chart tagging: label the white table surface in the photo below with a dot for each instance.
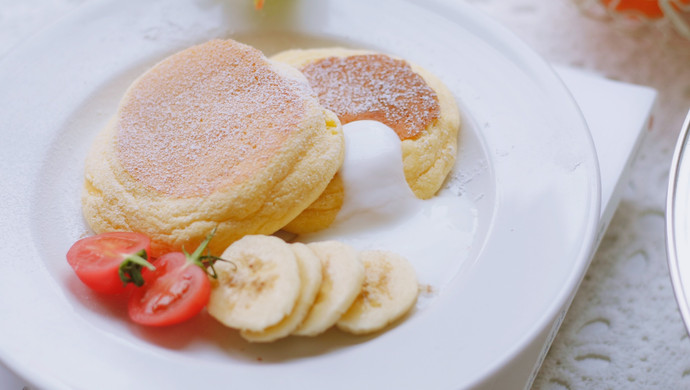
(623, 329)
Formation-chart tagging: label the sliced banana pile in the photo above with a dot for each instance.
(269, 289)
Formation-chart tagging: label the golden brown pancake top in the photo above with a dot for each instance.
(205, 118)
(376, 87)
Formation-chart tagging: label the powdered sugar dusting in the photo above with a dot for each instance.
(207, 117)
(376, 87)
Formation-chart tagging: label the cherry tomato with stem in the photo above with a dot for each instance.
(175, 291)
(107, 262)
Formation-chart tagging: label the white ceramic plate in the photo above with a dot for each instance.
(527, 167)
(678, 222)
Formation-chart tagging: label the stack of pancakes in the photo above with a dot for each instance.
(219, 136)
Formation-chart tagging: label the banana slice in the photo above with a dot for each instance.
(310, 276)
(258, 286)
(343, 275)
(390, 290)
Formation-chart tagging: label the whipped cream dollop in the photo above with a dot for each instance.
(381, 212)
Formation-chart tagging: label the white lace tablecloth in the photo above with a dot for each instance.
(623, 329)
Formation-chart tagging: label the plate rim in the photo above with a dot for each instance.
(552, 318)
(679, 165)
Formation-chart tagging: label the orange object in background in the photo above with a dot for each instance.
(648, 8)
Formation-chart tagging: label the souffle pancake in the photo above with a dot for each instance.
(359, 85)
(215, 136)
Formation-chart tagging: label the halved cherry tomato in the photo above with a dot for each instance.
(177, 290)
(101, 261)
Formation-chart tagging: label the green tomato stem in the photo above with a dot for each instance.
(204, 261)
(130, 268)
